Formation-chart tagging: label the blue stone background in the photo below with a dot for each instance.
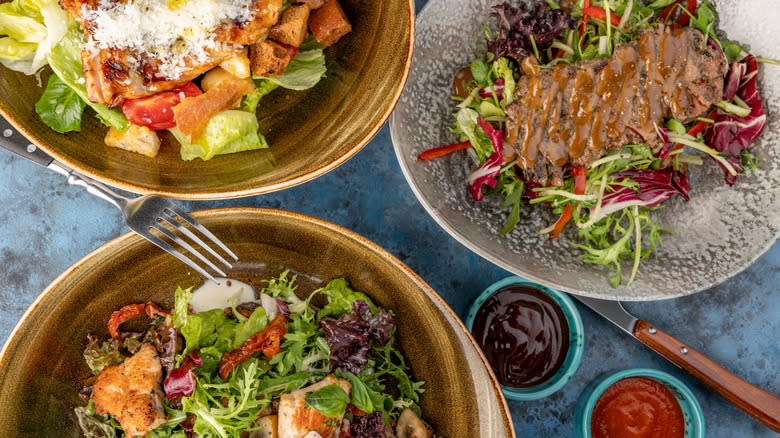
(46, 225)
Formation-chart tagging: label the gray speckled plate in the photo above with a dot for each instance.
(720, 232)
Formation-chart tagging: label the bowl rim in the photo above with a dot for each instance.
(15, 337)
(619, 294)
(573, 357)
(205, 194)
(594, 390)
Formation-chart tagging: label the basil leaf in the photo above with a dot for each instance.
(330, 401)
(60, 107)
(361, 398)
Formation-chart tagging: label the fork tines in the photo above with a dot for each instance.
(181, 229)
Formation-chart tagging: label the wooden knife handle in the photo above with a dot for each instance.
(756, 402)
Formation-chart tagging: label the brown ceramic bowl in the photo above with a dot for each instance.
(41, 368)
(310, 132)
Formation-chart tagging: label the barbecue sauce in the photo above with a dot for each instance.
(524, 335)
(460, 84)
(637, 407)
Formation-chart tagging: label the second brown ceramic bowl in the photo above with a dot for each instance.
(310, 132)
(42, 370)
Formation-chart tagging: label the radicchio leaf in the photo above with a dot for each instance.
(497, 89)
(348, 337)
(367, 426)
(654, 188)
(487, 172)
(180, 382)
(732, 134)
(516, 26)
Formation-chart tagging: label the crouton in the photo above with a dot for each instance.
(238, 65)
(291, 29)
(329, 23)
(269, 58)
(136, 138)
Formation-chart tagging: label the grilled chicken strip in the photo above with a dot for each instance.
(132, 392)
(575, 114)
(113, 75)
(296, 420)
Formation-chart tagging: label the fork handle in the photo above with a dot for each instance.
(95, 188)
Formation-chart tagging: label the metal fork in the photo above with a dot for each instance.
(150, 216)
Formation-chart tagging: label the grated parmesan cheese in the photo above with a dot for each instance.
(178, 36)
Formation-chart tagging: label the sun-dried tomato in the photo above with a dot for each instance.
(268, 341)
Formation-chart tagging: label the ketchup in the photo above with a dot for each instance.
(637, 407)
(524, 335)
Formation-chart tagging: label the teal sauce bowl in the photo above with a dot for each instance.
(694, 417)
(576, 339)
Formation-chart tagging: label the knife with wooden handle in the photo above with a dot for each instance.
(756, 402)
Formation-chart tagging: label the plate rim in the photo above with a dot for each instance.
(205, 194)
(452, 230)
(16, 335)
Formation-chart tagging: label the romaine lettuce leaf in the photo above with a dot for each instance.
(65, 60)
(31, 28)
(305, 70)
(60, 107)
(227, 132)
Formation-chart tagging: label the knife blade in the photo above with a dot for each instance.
(756, 402)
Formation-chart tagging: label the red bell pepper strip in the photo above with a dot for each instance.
(441, 151)
(580, 183)
(668, 11)
(584, 22)
(600, 13)
(268, 341)
(685, 18)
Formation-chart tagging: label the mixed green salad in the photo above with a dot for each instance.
(611, 201)
(246, 368)
(36, 33)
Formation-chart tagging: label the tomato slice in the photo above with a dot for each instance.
(156, 111)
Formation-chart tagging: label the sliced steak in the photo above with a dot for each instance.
(574, 114)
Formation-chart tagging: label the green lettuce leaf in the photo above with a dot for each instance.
(255, 323)
(31, 28)
(181, 302)
(12, 50)
(227, 132)
(65, 60)
(466, 124)
(60, 107)
(208, 329)
(341, 298)
(305, 70)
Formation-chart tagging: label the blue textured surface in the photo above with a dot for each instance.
(46, 225)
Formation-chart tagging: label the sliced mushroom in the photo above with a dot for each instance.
(411, 426)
